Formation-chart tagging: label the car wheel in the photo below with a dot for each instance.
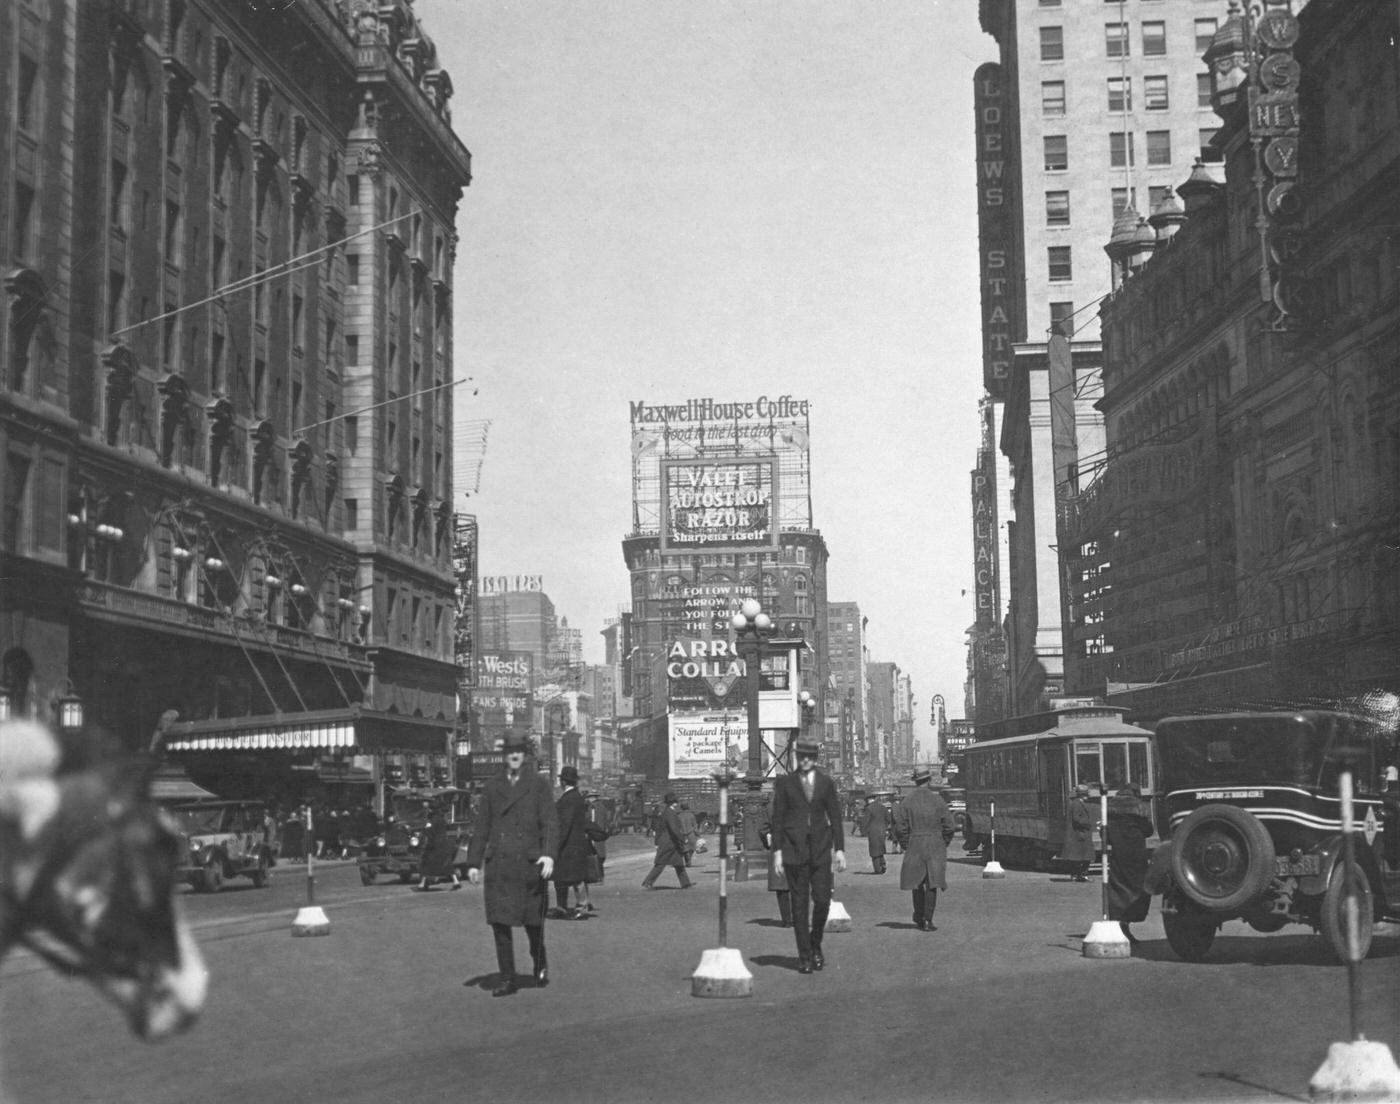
(1334, 918)
(367, 875)
(1222, 857)
(1189, 934)
(259, 875)
(213, 874)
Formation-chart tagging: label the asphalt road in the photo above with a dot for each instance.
(999, 1004)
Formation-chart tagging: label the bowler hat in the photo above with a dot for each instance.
(922, 775)
(807, 747)
(515, 741)
(669, 799)
(569, 774)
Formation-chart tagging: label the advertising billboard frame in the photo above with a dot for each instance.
(721, 501)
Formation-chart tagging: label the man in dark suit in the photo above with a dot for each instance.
(517, 833)
(807, 832)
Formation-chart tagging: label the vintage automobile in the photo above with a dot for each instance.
(398, 849)
(1254, 807)
(957, 805)
(221, 840)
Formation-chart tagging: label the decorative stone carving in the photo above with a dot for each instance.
(120, 385)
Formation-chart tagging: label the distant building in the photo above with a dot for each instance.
(846, 659)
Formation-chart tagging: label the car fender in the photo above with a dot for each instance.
(211, 851)
(1159, 869)
(1329, 852)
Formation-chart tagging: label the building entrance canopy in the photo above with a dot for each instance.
(363, 730)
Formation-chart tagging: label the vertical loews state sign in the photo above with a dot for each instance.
(997, 172)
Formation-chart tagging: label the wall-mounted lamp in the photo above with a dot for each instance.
(68, 709)
(75, 520)
(273, 581)
(181, 553)
(109, 532)
(365, 611)
(5, 703)
(345, 603)
(299, 590)
(213, 563)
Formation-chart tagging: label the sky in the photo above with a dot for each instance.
(678, 199)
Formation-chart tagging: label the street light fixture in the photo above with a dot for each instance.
(752, 629)
(68, 709)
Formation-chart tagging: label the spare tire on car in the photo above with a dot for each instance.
(1222, 857)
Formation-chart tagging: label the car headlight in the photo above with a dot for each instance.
(413, 841)
(379, 842)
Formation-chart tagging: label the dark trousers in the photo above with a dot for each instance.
(505, 948)
(809, 882)
(925, 901)
(659, 867)
(785, 906)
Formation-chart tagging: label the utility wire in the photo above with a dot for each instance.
(283, 269)
(375, 406)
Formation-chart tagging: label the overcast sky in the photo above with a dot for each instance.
(713, 198)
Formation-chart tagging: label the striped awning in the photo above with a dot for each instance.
(354, 727)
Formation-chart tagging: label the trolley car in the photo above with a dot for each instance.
(1031, 773)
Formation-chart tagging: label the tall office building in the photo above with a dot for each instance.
(225, 401)
(845, 635)
(1092, 114)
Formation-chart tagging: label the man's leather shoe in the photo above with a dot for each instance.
(928, 926)
(804, 965)
(818, 961)
(506, 988)
(541, 976)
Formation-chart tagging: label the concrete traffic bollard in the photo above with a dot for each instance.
(1106, 940)
(721, 973)
(311, 920)
(1357, 1071)
(838, 919)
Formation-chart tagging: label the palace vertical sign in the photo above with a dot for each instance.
(984, 527)
(999, 269)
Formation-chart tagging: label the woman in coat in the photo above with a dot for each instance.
(1078, 849)
(875, 824)
(517, 834)
(925, 826)
(574, 848)
(439, 850)
(1129, 826)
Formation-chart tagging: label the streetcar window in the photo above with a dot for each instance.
(1086, 766)
(1115, 765)
(1137, 767)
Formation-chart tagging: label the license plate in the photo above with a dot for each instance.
(1308, 864)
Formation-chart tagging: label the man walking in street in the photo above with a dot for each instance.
(1078, 849)
(670, 846)
(807, 834)
(924, 826)
(517, 832)
(875, 825)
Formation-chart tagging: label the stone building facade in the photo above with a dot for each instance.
(226, 411)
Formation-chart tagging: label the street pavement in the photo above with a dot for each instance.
(999, 1004)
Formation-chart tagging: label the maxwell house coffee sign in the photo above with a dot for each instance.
(996, 228)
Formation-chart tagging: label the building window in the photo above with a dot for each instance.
(1116, 40)
(1202, 89)
(116, 213)
(1155, 194)
(1056, 208)
(25, 108)
(116, 301)
(1205, 33)
(1154, 38)
(259, 385)
(1120, 95)
(1120, 149)
(1123, 198)
(1062, 317)
(352, 434)
(352, 349)
(1209, 152)
(1052, 43)
(1159, 147)
(1049, 3)
(352, 187)
(1061, 265)
(1052, 97)
(1056, 152)
(24, 209)
(1154, 93)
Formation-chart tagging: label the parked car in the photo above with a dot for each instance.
(221, 840)
(956, 798)
(398, 849)
(1254, 809)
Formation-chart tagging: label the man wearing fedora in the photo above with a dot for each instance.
(1078, 850)
(517, 833)
(670, 845)
(924, 826)
(807, 833)
(574, 848)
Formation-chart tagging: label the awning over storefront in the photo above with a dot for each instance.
(354, 728)
(172, 784)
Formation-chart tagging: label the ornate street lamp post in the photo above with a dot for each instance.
(752, 628)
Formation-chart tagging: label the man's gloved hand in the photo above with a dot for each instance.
(546, 865)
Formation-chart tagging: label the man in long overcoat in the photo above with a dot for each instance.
(807, 834)
(574, 848)
(1078, 849)
(924, 825)
(517, 833)
(875, 825)
(670, 845)
(1129, 826)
